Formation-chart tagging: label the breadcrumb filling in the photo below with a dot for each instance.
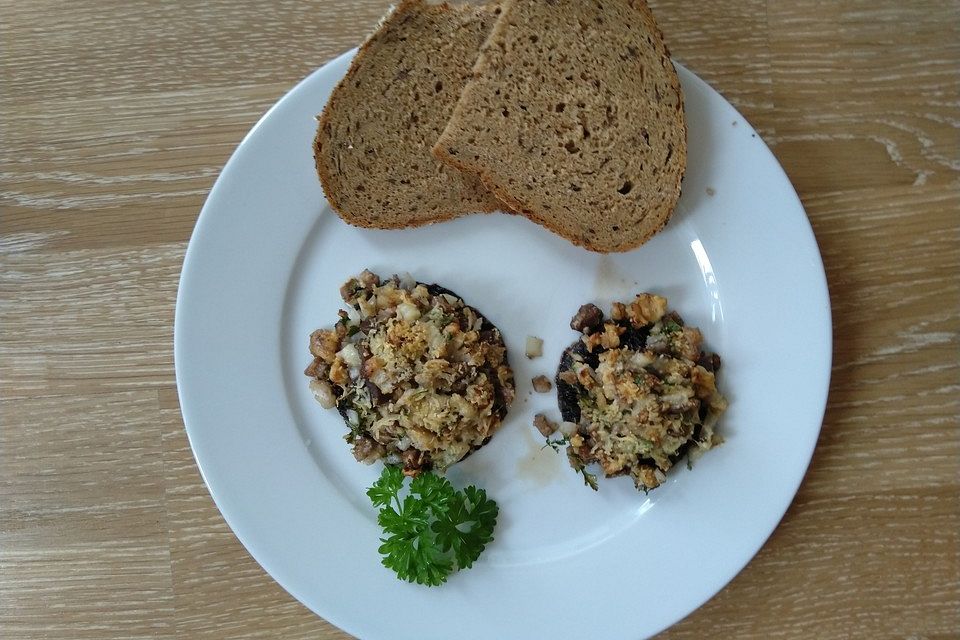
(421, 378)
(641, 390)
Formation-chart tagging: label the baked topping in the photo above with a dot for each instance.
(421, 378)
(641, 391)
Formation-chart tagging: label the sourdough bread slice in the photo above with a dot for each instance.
(372, 148)
(574, 117)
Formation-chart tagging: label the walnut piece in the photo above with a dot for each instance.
(587, 319)
(646, 309)
(544, 426)
(542, 384)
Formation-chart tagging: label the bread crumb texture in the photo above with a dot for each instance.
(574, 117)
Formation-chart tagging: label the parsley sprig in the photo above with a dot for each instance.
(434, 530)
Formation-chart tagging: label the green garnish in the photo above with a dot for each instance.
(556, 444)
(435, 529)
(589, 479)
(355, 398)
(356, 429)
(670, 326)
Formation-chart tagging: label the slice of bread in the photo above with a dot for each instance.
(574, 117)
(372, 148)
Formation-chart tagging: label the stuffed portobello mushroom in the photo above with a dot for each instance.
(638, 391)
(420, 377)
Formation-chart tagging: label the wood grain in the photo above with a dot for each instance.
(115, 119)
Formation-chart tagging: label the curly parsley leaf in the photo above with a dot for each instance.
(467, 525)
(435, 529)
(435, 492)
(385, 489)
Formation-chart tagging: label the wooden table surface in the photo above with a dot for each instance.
(115, 119)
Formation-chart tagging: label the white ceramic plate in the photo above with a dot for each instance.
(263, 269)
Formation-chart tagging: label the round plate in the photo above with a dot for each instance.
(263, 269)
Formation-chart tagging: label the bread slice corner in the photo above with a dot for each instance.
(372, 146)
